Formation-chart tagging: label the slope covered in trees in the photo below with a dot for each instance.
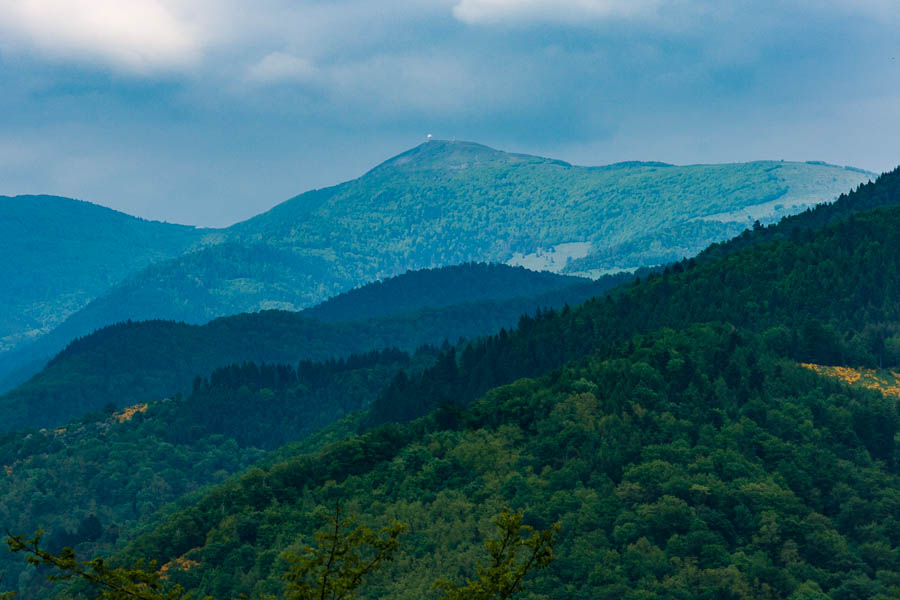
(885, 191)
(828, 297)
(91, 483)
(225, 279)
(136, 362)
(259, 277)
(464, 201)
(693, 464)
(435, 288)
(700, 462)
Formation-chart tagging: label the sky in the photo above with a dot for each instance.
(207, 112)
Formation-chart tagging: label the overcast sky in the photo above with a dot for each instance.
(209, 111)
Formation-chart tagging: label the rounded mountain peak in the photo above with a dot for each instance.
(454, 155)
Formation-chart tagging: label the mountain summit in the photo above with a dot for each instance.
(457, 155)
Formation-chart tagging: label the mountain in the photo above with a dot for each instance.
(59, 254)
(439, 204)
(451, 202)
(874, 194)
(828, 297)
(440, 287)
(684, 460)
(693, 461)
(135, 362)
(225, 279)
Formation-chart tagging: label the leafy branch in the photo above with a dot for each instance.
(506, 571)
(343, 556)
(134, 583)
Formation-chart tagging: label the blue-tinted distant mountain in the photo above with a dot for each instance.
(58, 254)
(451, 202)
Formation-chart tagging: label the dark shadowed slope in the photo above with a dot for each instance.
(435, 288)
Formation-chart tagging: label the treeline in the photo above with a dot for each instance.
(468, 282)
(885, 191)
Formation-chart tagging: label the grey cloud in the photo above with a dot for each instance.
(282, 96)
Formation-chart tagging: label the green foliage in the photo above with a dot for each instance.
(92, 483)
(333, 569)
(505, 574)
(885, 191)
(828, 297)
(343, 557)
(464, 201)
(120, 583)
(690, 464)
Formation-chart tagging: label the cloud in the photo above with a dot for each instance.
(272, 97)
(131, 35)
(566, 11)
(282, 67)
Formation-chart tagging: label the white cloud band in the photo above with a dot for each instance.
(133, 35)
(496, 11)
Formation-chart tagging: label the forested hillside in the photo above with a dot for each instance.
(698, 460)
(884, 192)
(92, 482)
(58, 254)
(225, 279)
(828, 297)
(451, 202)
(693, 464)
(135, 362)
(434, 288)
